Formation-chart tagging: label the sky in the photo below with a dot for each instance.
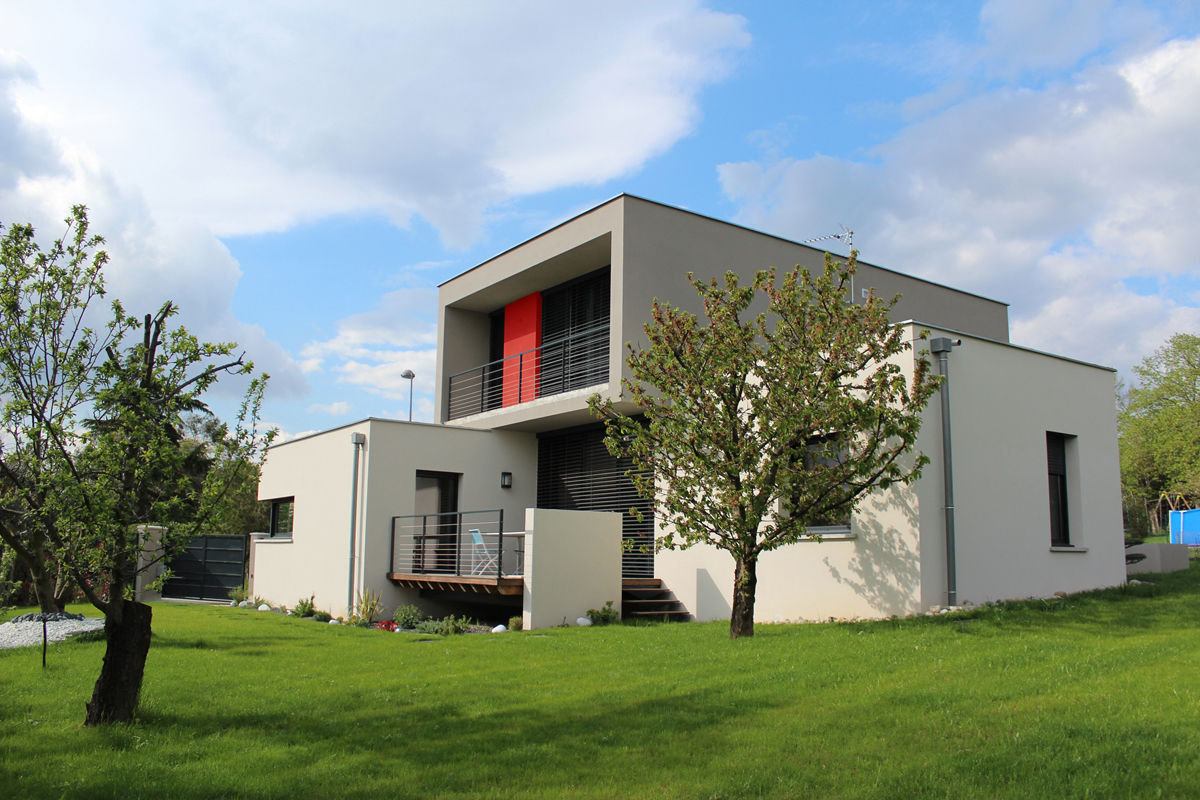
(299, 176)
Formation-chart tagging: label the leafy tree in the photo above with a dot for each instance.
(1159, 424)
(105, 415)
(757, 427)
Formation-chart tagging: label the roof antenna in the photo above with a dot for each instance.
(846, 236)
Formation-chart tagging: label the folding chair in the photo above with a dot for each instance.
(483, 558)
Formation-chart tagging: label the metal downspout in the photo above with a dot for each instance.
(358, 440)
(942, 347)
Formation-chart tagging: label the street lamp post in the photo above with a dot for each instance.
(408, 375)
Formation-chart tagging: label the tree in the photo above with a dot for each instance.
(1159, 423)
(758, 427)
(106, 416)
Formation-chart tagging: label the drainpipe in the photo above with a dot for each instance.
(942, 347)
(358, 440)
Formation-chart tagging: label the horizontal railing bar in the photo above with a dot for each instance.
(604, 327)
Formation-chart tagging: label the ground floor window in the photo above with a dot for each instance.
(1056, 468)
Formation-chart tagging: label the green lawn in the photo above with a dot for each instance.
(1091, 696)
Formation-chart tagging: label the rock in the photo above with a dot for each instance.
(500, 629)
(335, 622)
(244, 604)
(264, 607)
(583, 622)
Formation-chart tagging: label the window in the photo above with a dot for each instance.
(830, 452)
(1056, 469)
(281, 517)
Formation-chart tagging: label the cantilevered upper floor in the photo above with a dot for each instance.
(525, 337)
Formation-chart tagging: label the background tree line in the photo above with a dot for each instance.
(1159, 421)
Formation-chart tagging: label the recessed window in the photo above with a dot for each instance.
(282, 511)
(1056, 469)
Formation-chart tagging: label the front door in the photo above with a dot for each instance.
(437, 499)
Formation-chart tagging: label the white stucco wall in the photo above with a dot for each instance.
(1003, 401)
(317, 471)
(572, 564)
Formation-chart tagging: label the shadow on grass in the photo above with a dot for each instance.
(430, 748)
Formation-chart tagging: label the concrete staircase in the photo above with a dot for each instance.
(650, 599)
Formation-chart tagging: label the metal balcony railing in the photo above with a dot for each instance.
(463, 544)
(571, 362)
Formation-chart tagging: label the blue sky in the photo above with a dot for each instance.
(300, 178)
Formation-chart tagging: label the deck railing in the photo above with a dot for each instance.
(463, 544)
(571, 362)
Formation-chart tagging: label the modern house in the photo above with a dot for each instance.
(510, 503)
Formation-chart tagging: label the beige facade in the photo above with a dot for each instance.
(318, 472)
(1005, 400)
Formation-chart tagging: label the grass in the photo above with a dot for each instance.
(1094, 695)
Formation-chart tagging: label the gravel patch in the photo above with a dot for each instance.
(26, 630)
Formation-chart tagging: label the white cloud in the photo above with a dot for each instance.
(179, 123)
(1044, 198)
(254, 117)
(337, 408)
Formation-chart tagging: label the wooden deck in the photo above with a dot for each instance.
(478, 584)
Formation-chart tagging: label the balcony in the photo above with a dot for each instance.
(457, 551)
(570, 362)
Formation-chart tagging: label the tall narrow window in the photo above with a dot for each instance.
(1056, 468)
(281, 517)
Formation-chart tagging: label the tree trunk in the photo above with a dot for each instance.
(115, 697)
(741, 623)
(44, 585)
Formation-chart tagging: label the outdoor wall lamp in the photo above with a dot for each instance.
(505, 480)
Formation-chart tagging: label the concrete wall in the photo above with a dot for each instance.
(572, 564)
(1159, 557)
(1003, 401)
(872, 572)
(662, 244)
(396, 450)
(651, 247)
(317, 471)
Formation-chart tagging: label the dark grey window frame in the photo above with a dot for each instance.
(1058, 478)
(275, 529)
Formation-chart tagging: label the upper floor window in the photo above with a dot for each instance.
(282, 511)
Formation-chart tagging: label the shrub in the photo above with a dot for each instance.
(604, 616)
(514, 623)
(322, 616)
(367, 609)
(304, 607)
(447, 626)
(408, 616)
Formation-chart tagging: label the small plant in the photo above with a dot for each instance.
(447, 626)
(386, 625)
(407, 616)
(304, 607)
(257, 601)
(515, 623)
(240, 593)
(368, 608)
(322, 616)
(604, 616)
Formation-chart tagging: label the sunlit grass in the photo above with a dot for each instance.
(1091, 696)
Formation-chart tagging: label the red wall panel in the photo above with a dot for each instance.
(522, 334)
